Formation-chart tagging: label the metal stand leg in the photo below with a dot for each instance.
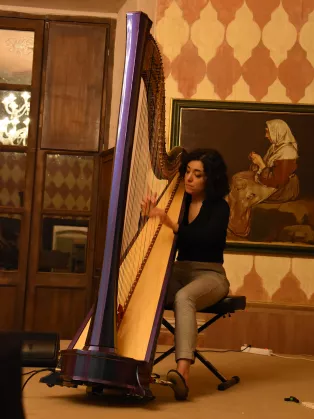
(164, 355)
(225, 383)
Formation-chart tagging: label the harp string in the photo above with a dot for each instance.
(131, 266)
(142, 180)
(138, 168)
(137, 183)
(137, 177)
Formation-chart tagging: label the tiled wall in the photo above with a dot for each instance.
(244, 50)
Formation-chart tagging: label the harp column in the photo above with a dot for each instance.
(102, 336)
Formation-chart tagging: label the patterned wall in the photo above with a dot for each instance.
(244, 50)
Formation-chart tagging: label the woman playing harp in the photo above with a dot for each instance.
(198, 278)
(115, 346)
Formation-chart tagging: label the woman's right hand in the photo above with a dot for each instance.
(148, 204)
(258, 160)
(164, 218)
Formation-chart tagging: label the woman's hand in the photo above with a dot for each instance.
(164, 218)
(257, 159)
(148, 204)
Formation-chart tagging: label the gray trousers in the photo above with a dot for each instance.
(193, 286)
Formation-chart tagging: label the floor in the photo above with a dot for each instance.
(265, 382)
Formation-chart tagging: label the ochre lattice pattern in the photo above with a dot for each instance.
(68, 182)
(12, 179)
(231, 48)
(247, 50)
(244, 50)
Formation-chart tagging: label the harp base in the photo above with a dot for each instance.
(103, 371)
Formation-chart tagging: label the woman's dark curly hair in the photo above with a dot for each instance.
(217, 183)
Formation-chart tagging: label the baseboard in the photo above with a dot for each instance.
(285, 330)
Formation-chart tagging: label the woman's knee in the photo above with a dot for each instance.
(182, 297)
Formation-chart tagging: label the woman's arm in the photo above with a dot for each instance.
(278, 175)
(164, 218)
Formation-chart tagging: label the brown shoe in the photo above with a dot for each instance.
(181, 390)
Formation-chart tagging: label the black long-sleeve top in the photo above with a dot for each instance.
(204, 239)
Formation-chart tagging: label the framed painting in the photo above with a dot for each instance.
(269, 152)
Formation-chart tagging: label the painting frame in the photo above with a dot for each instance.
(179, 106)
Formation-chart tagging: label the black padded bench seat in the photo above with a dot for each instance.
(226, 306)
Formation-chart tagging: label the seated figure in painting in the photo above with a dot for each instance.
(270, 179)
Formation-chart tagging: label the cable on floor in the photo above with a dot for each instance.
(33, 373)
(219, 351)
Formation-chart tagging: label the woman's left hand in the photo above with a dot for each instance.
(164, 218)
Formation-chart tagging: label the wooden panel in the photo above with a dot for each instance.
(95, 6)
(59, 310)
(8, 302)
(55, 279)
(73, 87)
(284, 330)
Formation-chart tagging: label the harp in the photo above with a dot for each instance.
(116, 344)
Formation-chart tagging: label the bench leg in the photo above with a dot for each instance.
(168, 326)
(164, 355)
(225, 383)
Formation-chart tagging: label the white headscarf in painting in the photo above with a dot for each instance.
(284, 145)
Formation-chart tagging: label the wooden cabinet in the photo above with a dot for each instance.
(51, 198)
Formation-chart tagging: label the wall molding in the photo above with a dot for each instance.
(277, 306)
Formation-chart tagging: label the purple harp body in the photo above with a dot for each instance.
(98, 363)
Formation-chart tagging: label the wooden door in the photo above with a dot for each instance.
(20, 74)
(71, 136)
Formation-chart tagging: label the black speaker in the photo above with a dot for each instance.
(40, 349)
(11, 376)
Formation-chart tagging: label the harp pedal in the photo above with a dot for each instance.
(155, 379)
(52, 379)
